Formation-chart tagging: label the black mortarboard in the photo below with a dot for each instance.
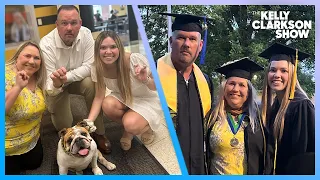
(191, 23)
(187, 22)
(243, 68)
(278, 51)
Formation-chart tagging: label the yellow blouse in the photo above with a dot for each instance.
(23, 119)
(227, 159)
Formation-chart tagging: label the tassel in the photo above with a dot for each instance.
(204, 47)
(294, 78)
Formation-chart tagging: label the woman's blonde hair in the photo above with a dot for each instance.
(219, 112)
(41, 74)
(267, 101)
(123, 67)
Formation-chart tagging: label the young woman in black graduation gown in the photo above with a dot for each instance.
(289, 119)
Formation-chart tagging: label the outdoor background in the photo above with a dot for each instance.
(231, 36)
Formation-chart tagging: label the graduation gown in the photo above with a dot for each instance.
(189, 125)
(298, 140)
(189, 103)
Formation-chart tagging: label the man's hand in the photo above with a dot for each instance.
(59, 77)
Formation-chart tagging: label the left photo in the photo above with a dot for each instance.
(80, 94)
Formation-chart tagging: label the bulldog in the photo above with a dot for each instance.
(77, 150)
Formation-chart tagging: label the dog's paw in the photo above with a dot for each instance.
(97, 171)
(110, 166)
(90, 126)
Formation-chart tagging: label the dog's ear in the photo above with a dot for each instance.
(82, 124)
(62, 132)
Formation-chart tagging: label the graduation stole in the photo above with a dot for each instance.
(168, 78)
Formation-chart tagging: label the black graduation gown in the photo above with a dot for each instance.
(189, 125)
(255, 148)
(298, 135)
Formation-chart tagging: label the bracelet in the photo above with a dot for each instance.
(147, 80)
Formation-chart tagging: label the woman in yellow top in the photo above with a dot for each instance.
(235, 136)
(25, 104)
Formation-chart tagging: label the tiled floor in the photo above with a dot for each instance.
(162, 149)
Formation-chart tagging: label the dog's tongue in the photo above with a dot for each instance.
(83, 152)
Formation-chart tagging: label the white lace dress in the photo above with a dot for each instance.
(145, 101)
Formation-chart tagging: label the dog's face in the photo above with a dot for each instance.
(76, 140)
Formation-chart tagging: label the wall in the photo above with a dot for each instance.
(46, 16)
(121, 12)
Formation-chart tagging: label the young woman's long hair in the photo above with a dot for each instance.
(219, 112)
(267, 101)
(41, 74)
(123, 67)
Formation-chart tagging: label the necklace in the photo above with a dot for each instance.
(234, 127)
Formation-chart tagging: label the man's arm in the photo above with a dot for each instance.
(50, 61)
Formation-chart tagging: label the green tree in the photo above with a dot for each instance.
(231, 36)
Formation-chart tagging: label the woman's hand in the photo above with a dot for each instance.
(91, 126)
(141, 73)
(22, 79)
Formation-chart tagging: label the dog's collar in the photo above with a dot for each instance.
(69, 153)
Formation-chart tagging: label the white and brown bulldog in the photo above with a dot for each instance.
(77, 150)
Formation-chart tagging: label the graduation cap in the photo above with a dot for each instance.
(187, 22)
(191, 23)
(278, 52)
(243, 68)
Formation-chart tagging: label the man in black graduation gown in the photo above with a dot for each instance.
(187, 90)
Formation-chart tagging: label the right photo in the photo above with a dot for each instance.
(239, 82)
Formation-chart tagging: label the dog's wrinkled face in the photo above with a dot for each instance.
(76, 140)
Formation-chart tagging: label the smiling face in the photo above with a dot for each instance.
(29, 60)
(236, 92)
(278, 75)
(109, 52)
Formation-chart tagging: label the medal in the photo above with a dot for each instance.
(234, 142)
(234, 128)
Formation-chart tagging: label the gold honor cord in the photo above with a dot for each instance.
(275, 157)
(294, 78)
